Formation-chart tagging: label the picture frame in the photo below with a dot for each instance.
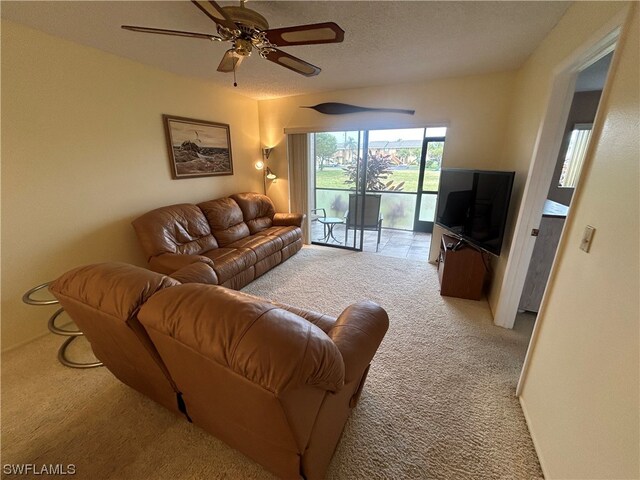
(198, 148)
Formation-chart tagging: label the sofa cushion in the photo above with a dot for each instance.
(178, 228)
(257, 210)
(262, 245)
(229, 262)
(225, 219)
(288, 235)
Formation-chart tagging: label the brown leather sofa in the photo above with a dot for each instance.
(273, 381)
(229, 241)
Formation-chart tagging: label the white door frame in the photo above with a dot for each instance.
(544, 158)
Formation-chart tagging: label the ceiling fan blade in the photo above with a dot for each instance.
(328, 32)
(292, 63)
(178, 33)
(216, 13)
(229, 61)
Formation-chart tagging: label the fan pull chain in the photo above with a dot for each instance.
(235, 61)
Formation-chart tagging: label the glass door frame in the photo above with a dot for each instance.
(359, 190)
(421, 225)
(361, 193)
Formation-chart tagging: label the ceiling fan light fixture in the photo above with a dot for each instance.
(242, 47)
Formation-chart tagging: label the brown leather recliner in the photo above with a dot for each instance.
(103, 300)
(274, 381)
(229, 241)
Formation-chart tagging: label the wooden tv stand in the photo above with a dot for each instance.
(462, 272)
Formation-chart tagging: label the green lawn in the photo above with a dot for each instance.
(332, 177)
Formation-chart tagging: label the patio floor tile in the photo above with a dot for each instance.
(393, 243)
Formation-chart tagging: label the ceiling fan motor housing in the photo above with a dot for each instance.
(247, 17)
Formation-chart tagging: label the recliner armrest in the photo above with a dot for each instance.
(168, 263)
(288, 219)
(358, 333)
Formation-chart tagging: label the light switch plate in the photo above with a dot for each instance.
(587, 236)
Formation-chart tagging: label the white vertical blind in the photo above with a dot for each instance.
(574, 159)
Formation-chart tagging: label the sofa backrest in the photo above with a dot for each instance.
(103, 300)
(257, 210)
(181, 229)
(249, 336)
(225, 220)
(235, 357)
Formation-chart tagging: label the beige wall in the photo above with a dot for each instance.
(473, 108)
(581, 392)
(532, 88)
(83, 153)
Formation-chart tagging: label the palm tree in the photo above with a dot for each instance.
(350, 145)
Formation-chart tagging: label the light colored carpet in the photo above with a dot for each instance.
(439, 400)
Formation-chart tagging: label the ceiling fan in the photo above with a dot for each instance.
(247, 30)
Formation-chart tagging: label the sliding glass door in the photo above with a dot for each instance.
(339, 163)
(366, 183)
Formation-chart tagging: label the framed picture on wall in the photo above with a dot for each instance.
(198, 148)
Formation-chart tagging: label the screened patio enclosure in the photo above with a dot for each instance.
(371, 185)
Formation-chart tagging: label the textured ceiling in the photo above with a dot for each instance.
(385, 42)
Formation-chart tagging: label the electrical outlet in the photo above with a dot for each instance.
(587, 236)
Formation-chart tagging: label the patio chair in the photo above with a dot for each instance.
(370, 219)
(315, 214)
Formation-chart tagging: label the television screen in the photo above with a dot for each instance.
(473, 204)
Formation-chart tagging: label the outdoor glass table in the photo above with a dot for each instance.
(329, 223)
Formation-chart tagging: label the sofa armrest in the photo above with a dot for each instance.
(288, 219)
(358, 333)
(168, 263)
(198, 272)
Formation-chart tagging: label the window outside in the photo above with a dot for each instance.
(576, 152)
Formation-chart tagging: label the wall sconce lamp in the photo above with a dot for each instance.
(262, 165)
(269, 174)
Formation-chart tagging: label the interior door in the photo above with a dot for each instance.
(428, 180)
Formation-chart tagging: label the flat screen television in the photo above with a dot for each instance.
(473, 205)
